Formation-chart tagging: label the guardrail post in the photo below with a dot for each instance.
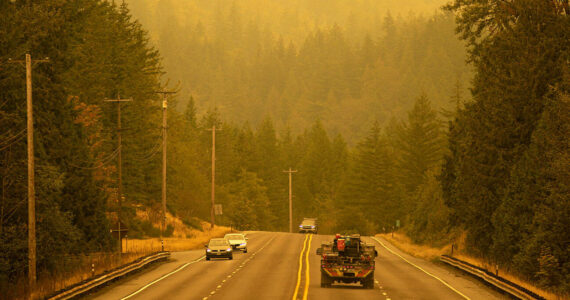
(92, 269)
(497, 269)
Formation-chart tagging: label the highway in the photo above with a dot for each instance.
(285, 266)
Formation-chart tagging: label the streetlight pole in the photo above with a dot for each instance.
(290, 198)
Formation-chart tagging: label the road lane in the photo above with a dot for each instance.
(270, 268)
(272, 274)
(337, 291)
(193, 282)
(399, 276)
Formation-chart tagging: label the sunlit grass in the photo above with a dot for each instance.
(197, 241)
(404, 243)
(75, 269)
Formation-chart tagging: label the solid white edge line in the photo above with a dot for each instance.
(445, 283)
(164, 276)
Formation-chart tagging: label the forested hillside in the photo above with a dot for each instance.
(506, 177)
(347, 63)
(75, 129)
(369, 103)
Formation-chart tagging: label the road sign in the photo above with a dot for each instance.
(218, 209)
(398, 223)
(123, 231)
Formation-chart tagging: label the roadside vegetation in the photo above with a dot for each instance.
(73, 269)
(428, 252)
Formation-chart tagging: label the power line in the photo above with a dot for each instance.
(3, 103)
(11, 212)
(102, 163)
(150, 155)
(13, 142)
(20, 132)
(94, 160)
(153, 151)
(13, 137)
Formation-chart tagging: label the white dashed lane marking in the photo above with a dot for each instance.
(238, 269)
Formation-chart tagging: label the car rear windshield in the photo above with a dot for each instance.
(234, 237)
(218, 243)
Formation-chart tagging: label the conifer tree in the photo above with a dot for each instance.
(420, 143)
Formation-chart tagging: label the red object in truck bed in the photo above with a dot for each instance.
(340, 244)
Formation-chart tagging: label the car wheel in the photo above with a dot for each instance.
(207, 258)
(231, 257)
(245, 250)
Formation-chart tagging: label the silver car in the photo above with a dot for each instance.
(218, 248)
(238, 241)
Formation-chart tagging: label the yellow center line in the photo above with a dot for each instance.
(300, 268)
(428, 273)
(307, 268)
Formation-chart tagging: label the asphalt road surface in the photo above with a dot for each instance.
(285, 266)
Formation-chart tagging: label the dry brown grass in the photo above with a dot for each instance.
(75, 269)
(404, 243)
(197, 241)
(180, 229)
(507, 275)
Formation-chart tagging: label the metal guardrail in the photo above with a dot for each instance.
(83, 287)
(501, 283)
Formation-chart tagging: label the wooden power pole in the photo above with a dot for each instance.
(119, 169)
(290, 198)
(212, 212)
(163, 219)
(31, 178)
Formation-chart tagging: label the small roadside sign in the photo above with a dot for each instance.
(124, 230)
(398, 223)
(218, 209)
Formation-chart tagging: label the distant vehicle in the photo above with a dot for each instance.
(238, 241)
(347, 260)
(219, 248)
(308, 225)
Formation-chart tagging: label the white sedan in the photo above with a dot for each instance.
(238, 241)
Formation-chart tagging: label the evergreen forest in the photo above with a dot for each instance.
(448, 119)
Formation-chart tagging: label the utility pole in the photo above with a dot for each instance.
(290, 198)
(163, 219)
(213, 174)
(31, 182)
(119, 168)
